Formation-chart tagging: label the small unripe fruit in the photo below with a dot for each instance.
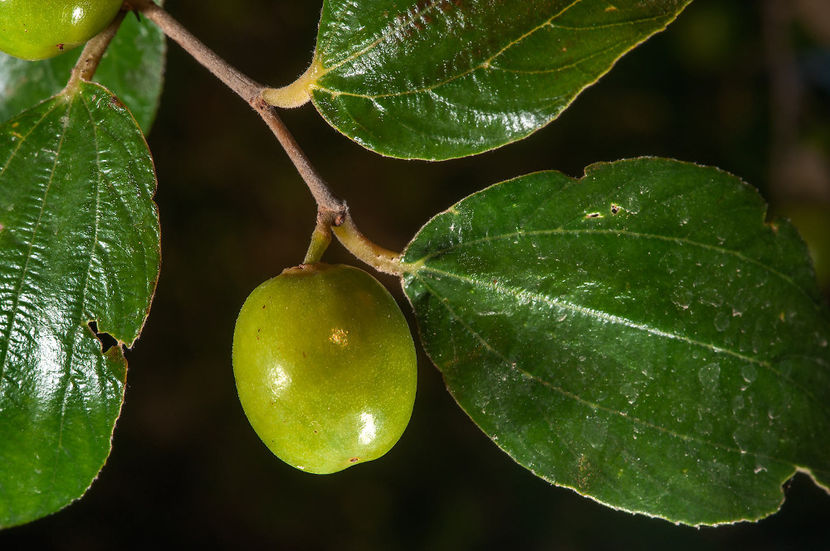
(325, 367)
(39, 29)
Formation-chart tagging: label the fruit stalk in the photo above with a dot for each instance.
(320, 239)
(94, 50)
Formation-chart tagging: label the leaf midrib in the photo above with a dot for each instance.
(485, 65)
(606, 317)
(78, 315)
(416, 265)
(591, 405)
(482, 65)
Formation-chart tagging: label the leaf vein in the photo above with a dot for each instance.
(573, 65)
(16, 303)
(605, 317)
(385, 36)
(485, 65)
(23, 140)
(78, 315)
(621, 233)
(587, 403)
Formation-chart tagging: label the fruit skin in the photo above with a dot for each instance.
(39, 29)
(325, 367)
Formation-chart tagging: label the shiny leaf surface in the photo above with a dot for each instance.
(133, 68)
(639, 335)
(79, 242)
(439, 79)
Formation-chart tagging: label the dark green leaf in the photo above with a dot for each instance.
(439, 79)
(639, 335)
(133, 68)
(79, 242)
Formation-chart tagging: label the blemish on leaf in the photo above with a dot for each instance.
(417, 18)
(584, 471)
(354, 460)
(615, 208)
(593, 215)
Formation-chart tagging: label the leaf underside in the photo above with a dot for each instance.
(440, 79)
(79, 242)
(133, 68)
(639, 335)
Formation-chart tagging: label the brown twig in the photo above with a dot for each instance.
(245, 87)
(331, 210)
(250, 91)
(316, 185)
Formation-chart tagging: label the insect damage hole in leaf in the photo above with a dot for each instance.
(107, 341)
(80, 243)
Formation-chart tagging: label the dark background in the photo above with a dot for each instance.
(744, 85)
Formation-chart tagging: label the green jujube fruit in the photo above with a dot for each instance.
(39, 29)
(325, 367)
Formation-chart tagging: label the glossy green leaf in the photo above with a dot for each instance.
(133, 68)
(639, 335)
(79, 242)
(439, 79)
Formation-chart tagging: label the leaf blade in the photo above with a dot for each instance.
(617, 321)
(446, 78)
(79, 242)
